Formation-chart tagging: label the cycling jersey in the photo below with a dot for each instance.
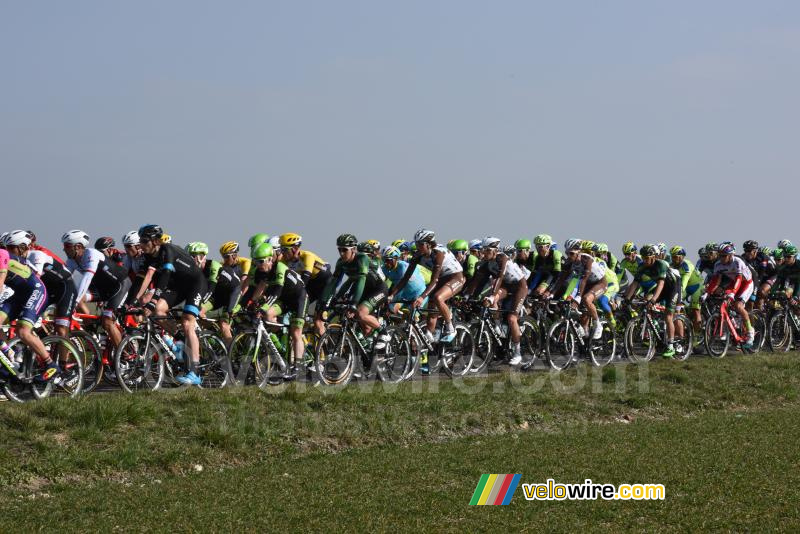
(58, 281)
(512, 273)
(178, 278)
(19, 276)
(361, 280)
(660, 270)
(691, 280)
(135, 266)
(789, 274)
(546, 269)
(30, 296)
(631, 266)
(284, 288)
(469, 265)
(224, 284)
(449, 265)
(415, 286)
(308, 265)
(578, 268)
(100, 275)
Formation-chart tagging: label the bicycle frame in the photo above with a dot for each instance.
(726, 319)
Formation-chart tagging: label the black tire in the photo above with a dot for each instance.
(718, 338)
(560, 345)
(335, 357)
(531, 343)
(240, 357)
(395, 361)
(484, 348)
(70, 359)
(92, 356)
(215, 366)
(640, 340)
(780, 333)
(457, 355)
(603, 350)
(139, 367)
(417, 347)
(15, 390)
(759, 325)
(685, 344)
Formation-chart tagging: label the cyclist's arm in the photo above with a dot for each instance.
(398, 287)
(361, 278)
(587, 271)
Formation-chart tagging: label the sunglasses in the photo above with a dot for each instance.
(231, 255)
(345, 249)
(259, 262)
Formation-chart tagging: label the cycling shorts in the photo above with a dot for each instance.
(190, 292)
(26, 305)
(297, 304)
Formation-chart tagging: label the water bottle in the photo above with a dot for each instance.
(178, 350)
(277, 343)
(8, 351)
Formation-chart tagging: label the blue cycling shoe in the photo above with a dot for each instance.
(189, 379)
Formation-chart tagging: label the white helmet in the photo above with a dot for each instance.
(3, 237)
(17, 238)
(490, 242)
(275, 241)
(424, 236)
(475, 244)
(572, 244)
(131, 238)
(75, 237)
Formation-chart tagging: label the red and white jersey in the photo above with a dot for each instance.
(735, 268)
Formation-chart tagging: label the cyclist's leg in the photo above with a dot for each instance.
(446, 289)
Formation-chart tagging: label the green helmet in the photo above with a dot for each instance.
(600, 248)
(458, 245)
(262, 251)
(777, 253)
(522, 244)
(712, 247)
(629, 247)
(398, 242)
(365, 247)
(542, 240)
(346, 240)
(257, 240)
(789, 250)
(196, 247)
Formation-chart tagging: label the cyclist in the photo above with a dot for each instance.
(447, 280)
(223, 284)
(523, 255)
(37, 246)
(102, 279)
(283, 290)
(364, 289)
(691, 286)
(629, 263)
(106, 245)
(546, 268)
(584, 280)
(394, 269)
(667, 290)
(762, 267)
(460, 250)
(313, 270)
(133, 263)
(177, 279)
(25, 306)
(253, 242)
(738, 280)
(601, 251)
(788, 274)
(57, 280)
(509, 286)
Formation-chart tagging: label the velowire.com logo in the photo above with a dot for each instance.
(494, 489)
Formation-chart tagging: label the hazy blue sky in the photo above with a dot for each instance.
(610, 120)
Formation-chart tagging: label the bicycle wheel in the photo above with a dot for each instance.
(214, 367)
(138, 364)
(759, 325)
(416, 346)
(685, 343)
(640, 340)
(530, 343)
(70, 359)
(779, 333)
(241, 357)
(560, 345)
(484, 348)
(395, 361)
(457, 356)
(718, 339)
(335, 357)
(92, 357)
(17, 390)
(603, 350)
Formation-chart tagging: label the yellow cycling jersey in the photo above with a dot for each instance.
(244, 265)
(308, 262)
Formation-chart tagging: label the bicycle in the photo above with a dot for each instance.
(18, 377)
(144, 359)
(493, 340)
(723, 325)
(646, 333)
(783, 325)
(565, 338)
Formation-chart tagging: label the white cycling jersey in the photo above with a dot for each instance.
(450, 265)
(514, 273)
(598, 268)
(37, 260)
(735, 268)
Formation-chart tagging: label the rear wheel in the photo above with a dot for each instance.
(138, 363)
(457, 355)
(395, 360)
(15, 390)
(759, 325)
(603, 350)
(92, 356)
(530, 343)
(70, 360)
(484, 348)
(215, 366)
(685, 343)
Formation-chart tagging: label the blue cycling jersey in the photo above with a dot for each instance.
(415, 286)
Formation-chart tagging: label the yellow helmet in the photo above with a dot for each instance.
(398, 242)
(166, 238)
(290, 240)
(587, 246)
(376, 245)
(230, 247)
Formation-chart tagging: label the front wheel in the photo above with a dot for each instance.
(335, 357)
(640, 340)
(603, 350)
(139, 363)
(70, 360)
(395, 361)
(560, 345)
(457, 356)
(215, 366)
(531, 343)
(718, 339)
(780, 332)
(685, 343)
(484, 348)
(92, 356)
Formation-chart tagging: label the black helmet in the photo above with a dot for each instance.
(151, 232)
(365, 247)
(104, 242)
(346, 240)
(750, 245)
(648, 250)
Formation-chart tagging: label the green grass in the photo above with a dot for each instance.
(720, 435)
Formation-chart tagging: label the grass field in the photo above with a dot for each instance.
(720, 435)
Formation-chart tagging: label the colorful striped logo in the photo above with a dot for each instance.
(495, 489)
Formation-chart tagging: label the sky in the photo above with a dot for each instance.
(612, 121)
